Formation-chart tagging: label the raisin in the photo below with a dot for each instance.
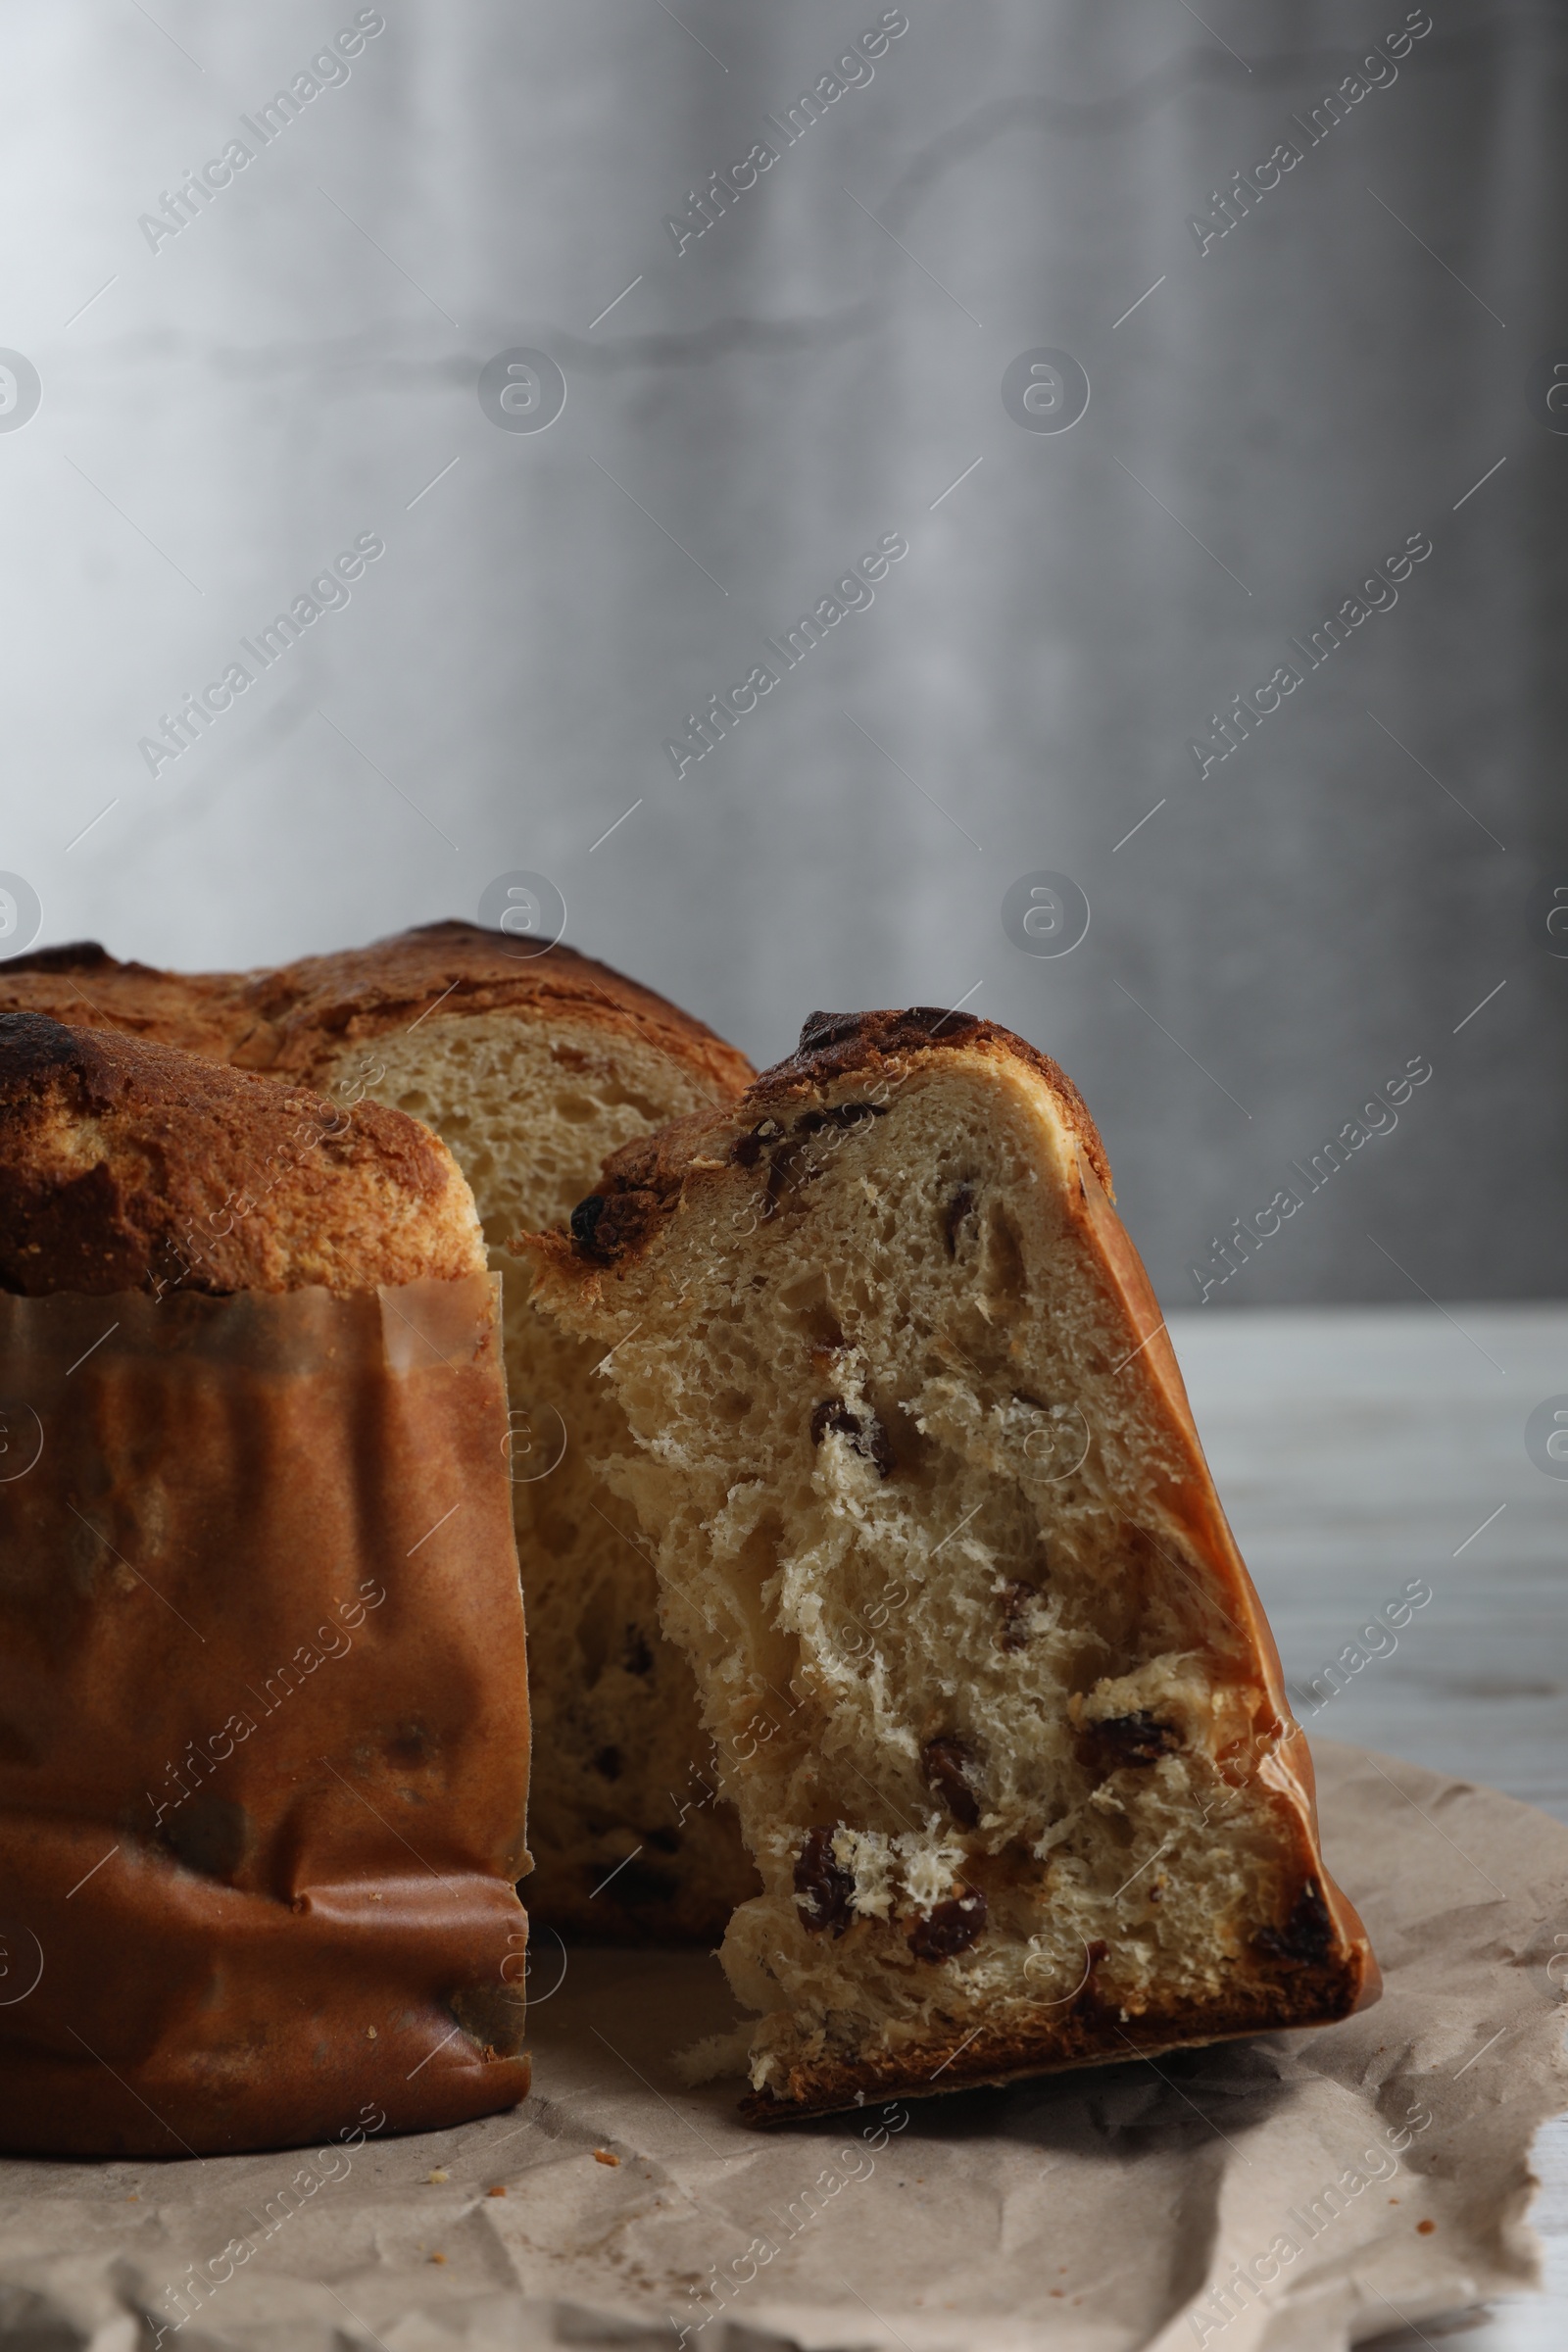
(608, 1763)
(1017, 1600)
(821, 1029)
(822, 1885)
(947, 1765)
(637, 1657)
(585, 1221)
(839, 1114)
(748, 1149)
(958, 1208)
(934, 1018)
(1307, 1936)
(832, 1413)
(1137, 1739)
(782, 1176)
(952, 1927)
(667, 1840)
(869, 1438)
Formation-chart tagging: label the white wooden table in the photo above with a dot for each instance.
(1356, 1450)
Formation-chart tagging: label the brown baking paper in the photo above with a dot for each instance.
(1092, 2212)
(263, 1720)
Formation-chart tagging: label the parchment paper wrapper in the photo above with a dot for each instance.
(263, 1734)
(1093, 2212)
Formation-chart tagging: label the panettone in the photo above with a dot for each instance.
(264, 1733)
(533, 1067)
(981, 1666)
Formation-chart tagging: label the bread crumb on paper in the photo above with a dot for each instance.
(603, 2156)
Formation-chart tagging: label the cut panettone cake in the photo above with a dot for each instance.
(532, 1068)
(983, 1670)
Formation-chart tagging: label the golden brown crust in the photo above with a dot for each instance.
(1089, 2032)
(305, 1013)
(88, 987)
(124, 1163)
(641, 1183)
(835, 1043)
(1285, 1760)
(296, 1019)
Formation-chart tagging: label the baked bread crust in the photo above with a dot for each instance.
(323, 1002)
(641, 1184)
(295, 1016)
(124, 1163)
(1315, 1964)
(1091, 2032)
(83, 985)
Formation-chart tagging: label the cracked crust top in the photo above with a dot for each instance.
(307, 1011)
(85, 987)
(124, 1164)
(296, 1019)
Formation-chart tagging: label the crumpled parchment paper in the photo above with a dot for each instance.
(1296, 2193)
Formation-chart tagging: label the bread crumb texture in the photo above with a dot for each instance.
(979, 1665)
(531, 1107)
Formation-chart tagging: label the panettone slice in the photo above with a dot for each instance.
(982, 1668)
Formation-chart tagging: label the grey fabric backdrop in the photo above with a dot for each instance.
(1285, 408)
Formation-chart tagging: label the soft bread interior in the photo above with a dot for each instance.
(530, 1106)
(976, 1694)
